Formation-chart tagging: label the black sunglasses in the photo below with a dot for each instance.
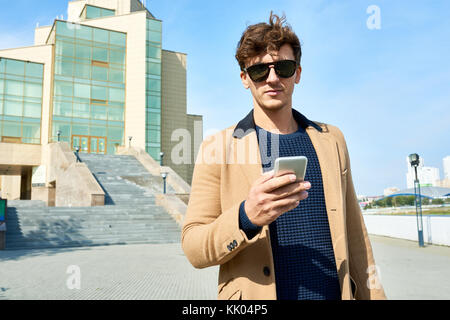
(260, 72)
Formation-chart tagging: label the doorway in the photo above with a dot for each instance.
(89, 144)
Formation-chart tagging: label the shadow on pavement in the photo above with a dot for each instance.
(51, 237)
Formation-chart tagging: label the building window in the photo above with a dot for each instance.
(20, 101)
(89, 87)
(93, 12)
(153, 88)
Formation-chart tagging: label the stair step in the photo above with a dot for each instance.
(46, 224)
(86, 243)
(92, 234)
(130, 216)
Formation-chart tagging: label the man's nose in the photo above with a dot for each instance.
(273, 77)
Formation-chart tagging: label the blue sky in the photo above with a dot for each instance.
(388, 90)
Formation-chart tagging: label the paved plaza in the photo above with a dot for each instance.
(162, 271)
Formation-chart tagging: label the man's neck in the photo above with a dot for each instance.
(279, 121)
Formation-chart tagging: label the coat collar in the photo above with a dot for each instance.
(247, 125)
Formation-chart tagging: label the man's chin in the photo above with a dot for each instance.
(271, 107)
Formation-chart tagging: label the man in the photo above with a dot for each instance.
(275, 237)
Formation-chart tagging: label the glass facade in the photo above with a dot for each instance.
(153, 89)
(93, 12)
(89, 87)
(20, 101)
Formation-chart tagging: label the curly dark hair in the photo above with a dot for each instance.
(266, 37)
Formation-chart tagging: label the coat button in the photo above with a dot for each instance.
(229, 248)
(235, 243)
(266, 271)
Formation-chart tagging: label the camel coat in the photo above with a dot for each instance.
(227, 165)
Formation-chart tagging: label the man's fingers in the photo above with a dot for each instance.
(283, 172)
(266, 176)
(290, 189)
(289, 203)
(278, 182)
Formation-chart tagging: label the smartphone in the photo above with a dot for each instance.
(297, 164)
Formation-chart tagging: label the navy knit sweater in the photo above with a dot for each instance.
(305, 268)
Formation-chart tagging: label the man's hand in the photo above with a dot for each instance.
(270, 196)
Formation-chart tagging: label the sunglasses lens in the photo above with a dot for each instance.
(285, 68)
(258, 72)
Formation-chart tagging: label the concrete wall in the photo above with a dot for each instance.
(173, 108)
(14, 161)
(75, 184)
(41, 35)
(46, 194)
(436, 229)
(185, 130)
(10, 187)
(15, 154)
(74, 10)
(76, 187)
(195, 127)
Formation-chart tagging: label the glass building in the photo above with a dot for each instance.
(94, 81)
(153, 87)
(89, 87)
(20, 101)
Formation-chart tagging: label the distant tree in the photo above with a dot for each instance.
(410, 200)
(401, 201)
(437, 201)
(389, 202)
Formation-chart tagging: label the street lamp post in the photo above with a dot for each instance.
(415, 160)
(161, 156)
(77, 149)
(164, 176)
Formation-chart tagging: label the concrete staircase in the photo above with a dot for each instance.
(129, 215)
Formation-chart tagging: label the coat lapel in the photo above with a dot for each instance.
(251, 167)
(326, 150)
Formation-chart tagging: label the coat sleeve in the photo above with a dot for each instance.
(363, 269)
(211, 234)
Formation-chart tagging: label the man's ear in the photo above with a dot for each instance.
(298, 74)
(245, 80)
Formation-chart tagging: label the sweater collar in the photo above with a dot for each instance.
(247, 125)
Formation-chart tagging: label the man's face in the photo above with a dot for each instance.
(275, 92)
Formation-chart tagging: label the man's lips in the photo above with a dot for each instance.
(273, 92)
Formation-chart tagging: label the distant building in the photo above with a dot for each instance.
(427, 192)
(389, 191)
(428, 176)
(446, 165)
(365, 200)
(444, 183)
